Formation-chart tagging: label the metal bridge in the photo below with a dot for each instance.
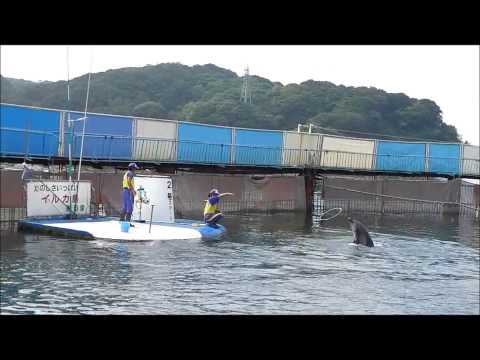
(45, 136)
(198, 156)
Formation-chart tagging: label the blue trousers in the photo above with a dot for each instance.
(127, 209)
(213, 218)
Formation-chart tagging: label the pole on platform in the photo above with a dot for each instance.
(151, 217)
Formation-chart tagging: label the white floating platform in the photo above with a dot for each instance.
(109, 229)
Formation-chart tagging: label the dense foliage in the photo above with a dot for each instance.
(209, 94)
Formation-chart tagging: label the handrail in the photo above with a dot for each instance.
(276, 149)
(105, 136)
(30, 131)
(49, 141)
(193, 151)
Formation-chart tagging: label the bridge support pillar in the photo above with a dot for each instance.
(453, 198)
(380, 185)
(309, 177)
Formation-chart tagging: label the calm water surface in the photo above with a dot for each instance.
(266, 264)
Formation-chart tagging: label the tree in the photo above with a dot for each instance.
(210, 94)
(150, 109)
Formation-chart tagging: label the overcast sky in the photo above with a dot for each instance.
(448, 75)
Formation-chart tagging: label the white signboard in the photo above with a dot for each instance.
(52, 197)
(156, 191)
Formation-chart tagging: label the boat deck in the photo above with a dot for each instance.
(108, 228)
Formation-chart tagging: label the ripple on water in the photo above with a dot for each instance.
(415, 268)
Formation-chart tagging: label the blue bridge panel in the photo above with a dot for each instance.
(29, 131)
(258, 147)
(444, 158)
(400, 156)
(204, 144)
(106, 137)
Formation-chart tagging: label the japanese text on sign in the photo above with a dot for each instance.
(46, 198)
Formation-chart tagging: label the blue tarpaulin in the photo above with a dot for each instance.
(106, 137)
(444, 158)
(204, 144)
(29, 131)
(257, 147)
(400, 156)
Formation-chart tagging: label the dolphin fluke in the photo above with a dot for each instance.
(360, 233)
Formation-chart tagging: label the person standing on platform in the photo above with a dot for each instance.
(128, 193)
(27, 175)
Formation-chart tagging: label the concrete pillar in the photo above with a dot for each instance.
(309, 177)
(379, 190)
(453, 197)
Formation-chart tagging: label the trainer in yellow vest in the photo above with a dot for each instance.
(125, 180)
(211, 214)
(128, 192)
(210, 208)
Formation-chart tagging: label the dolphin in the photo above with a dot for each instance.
(360, 233)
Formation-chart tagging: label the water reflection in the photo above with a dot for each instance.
(266, 264)
(11, 240)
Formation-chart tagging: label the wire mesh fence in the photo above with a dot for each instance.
(376, 203)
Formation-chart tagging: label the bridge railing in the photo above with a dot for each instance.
(102, 147)
(114, 147)
(471, 167)
(206, 153)
(27, 142)
(155, 149)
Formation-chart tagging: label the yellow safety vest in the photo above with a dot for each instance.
(209, 208)
(125, 181)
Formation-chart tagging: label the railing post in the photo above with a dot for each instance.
(138, 149)
(155, 152)
(110, 148)
(105, 139)
(233, 147)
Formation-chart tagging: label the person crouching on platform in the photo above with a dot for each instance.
(211, 214)
(128, 193)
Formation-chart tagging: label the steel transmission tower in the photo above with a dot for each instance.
(246, 95)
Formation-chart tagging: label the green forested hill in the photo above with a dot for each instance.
(210, 94)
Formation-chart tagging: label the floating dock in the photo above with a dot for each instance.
(108, 228)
